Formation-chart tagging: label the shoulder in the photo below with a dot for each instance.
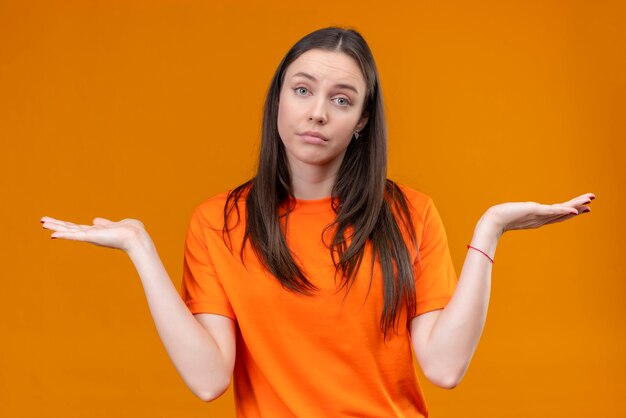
(418, 202)
(210, 212)
(416, 197)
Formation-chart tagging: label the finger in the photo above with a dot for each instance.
(562, 218)
(101, 221)
(46, 220)
(559, 209)
(57, 225)
(583, 199)
(580, 210)
(576, 210)
(52, 221)
(69, 235)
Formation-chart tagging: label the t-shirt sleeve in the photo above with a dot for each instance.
(201, 289)
(435, 277)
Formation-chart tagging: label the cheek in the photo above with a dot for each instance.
(347, 126)
(283, 119)
(280, 121)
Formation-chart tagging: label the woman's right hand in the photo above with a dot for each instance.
(121, 235)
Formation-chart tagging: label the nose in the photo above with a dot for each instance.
(318, 112)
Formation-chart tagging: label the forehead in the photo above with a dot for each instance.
(329, 66)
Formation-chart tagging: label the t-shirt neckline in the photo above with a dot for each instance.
(312, 205)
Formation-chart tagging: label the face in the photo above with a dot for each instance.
(320, 107)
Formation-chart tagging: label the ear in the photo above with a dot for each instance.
(362, 122)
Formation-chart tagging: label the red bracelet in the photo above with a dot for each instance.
(481, 251)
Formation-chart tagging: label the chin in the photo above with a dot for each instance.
(321, 162)
(314, 159)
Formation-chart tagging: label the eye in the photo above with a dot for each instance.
(343, 101)
(301, 91)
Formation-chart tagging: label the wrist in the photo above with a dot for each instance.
(489, 224)
(140, 243)
(486, 235)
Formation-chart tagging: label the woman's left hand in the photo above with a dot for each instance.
(528, 215)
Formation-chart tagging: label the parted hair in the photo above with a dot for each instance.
(370, 209)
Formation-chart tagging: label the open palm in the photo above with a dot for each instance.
(528, 215)
(103, 232)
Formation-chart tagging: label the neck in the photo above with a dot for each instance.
(309, 182)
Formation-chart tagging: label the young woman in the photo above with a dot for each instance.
(315, 282)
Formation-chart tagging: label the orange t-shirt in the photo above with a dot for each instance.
(319, 355)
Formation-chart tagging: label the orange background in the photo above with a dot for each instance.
(143, 109)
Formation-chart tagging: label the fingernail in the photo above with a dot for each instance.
(586, 210)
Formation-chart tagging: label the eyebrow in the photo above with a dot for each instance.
(340, 85)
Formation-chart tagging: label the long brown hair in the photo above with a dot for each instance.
(369, 207)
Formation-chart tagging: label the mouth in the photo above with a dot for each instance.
(313, 134)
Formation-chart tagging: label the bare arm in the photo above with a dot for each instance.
(444, 340)
(202, 348)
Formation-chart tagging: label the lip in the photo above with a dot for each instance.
(313, 134)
